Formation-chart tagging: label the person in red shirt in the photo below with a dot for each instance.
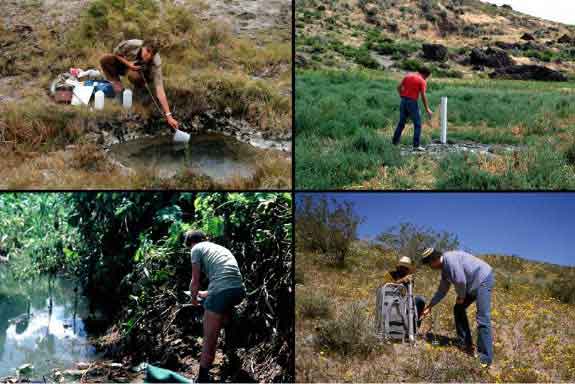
(411, 87)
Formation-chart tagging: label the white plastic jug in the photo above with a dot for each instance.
(99, 100)
(127, 99)
(181, 137)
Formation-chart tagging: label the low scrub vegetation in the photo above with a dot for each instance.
(532, 318)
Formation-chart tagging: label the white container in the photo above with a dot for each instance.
(181, 137)
(127, 99)
(99, 100)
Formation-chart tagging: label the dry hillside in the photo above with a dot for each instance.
(534, 336)
(390, 33)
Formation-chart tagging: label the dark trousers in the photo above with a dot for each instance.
(483, 317)
(419, 306)
(408, 108)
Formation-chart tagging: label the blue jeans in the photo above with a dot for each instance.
(408, 108)
(483, 317)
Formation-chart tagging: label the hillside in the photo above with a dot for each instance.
(508, 78)
(227, 75)
(390, 33)
(533, 332)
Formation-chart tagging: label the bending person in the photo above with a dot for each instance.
(473, 280)
(225, 290)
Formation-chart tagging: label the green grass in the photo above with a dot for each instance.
(344, 122)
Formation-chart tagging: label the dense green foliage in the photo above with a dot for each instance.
(36, 235)
(126, 248)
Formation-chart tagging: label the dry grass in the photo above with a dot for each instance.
(206, 67)
(533, 332)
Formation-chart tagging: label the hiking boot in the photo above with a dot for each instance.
(419, 149)
(204, 379)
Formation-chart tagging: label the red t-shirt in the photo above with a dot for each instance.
(412, 85)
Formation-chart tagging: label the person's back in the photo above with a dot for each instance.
(474, 269)
(219, 265)
(413, 85)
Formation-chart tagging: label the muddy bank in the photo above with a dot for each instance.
(436, 149)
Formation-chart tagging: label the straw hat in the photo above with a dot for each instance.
(405, 261)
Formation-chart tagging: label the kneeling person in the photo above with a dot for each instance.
(140, 62)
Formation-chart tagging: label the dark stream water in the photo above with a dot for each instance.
(41, 323)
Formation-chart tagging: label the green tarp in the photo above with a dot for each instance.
(161, 375)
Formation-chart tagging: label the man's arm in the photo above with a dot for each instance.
(399, 87)
(161, 94)
(195, 283)
(426, 104)
(438, 296)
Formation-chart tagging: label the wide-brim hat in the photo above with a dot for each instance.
(428, 254)
(406, 262)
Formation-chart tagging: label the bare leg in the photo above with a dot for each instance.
(212, 325)
(111, 67)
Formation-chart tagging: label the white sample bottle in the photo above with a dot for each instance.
(99, 100)
(127, 99)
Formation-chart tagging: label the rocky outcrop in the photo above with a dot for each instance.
(527, 36)
(528, 72)
(490, 57)
(566, 39)
(435, 52)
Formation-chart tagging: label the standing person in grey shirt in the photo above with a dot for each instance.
(225, 290)
(473, 281)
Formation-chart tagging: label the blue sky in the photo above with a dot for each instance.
(562, 11)
(536, 226)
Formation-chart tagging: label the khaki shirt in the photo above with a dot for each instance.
(130, 49)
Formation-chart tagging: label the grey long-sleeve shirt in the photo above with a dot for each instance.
(465, 271)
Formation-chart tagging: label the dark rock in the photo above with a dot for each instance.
(527, 36)
(300, 61)
(393, 27)
(528, 72)
(506, 46)
(490, 57)
(565, 39)
(507, 6)
(435, 52)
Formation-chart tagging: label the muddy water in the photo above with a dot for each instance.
(41, 323)
(222, 158)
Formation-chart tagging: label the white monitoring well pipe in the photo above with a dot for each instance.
(443, 116)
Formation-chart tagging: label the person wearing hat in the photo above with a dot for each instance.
(473, 281)
(403, 274)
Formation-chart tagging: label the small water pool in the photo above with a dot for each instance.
(220, 157)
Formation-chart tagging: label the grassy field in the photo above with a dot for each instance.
(534, 337)
(344, 122)
(206, 68)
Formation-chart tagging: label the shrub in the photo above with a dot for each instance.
(351, 333)
(326, 227)
(313, 305)
(563, 288)
(407, 239)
